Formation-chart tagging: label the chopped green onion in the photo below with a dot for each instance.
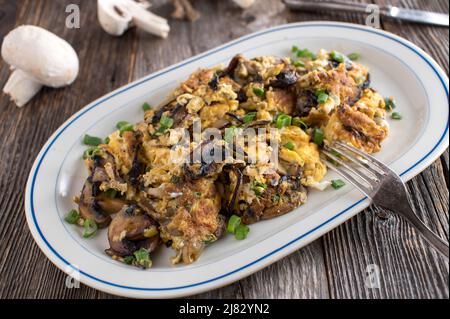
(166, 122)
(337, 183)
(91, 152)
(146, 106)
(111, 193)
(283, 120)
(390, 103)
(276, 198)
(129, 260)
(72, 217)
(289, 145)
(249, 117)
(305, 53)
(125, 128)
(294, 49)
(259, 91)
(337, 56)
(92, 140)
(143, 257)
(241, 232)
(233, 223)
(107, 139)
(354, 56)
(259, 188)
(322, 97)
(89, 228)
(396, 116)
(318, 136)
(198, 194)
(230, 132)
(296, 121)
(121, 123)
(298, 64)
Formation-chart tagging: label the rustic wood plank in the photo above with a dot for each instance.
(24, 270)
(331, 267)
(8, 13)
(409, 268)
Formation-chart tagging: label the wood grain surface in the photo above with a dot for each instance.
(333, 266)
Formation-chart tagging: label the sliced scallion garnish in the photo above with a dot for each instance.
(337, 183)
(318, 136)
(396, 116)
(233, 223)
(289, 145)
(72, 216)
(259, 92)
(241, 232)
(92, 140)
(250, 116)
(283, 120)
(89, 228)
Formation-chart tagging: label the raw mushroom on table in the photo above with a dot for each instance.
(184, 9)
(38, 58)
(117, 16)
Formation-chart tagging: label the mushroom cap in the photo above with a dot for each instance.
(41, 54)
(113, 16)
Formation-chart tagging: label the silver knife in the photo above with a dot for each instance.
(419, 16)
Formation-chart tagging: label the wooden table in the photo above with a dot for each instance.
(332, 267)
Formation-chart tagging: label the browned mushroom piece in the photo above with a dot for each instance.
(94, 204)
(130, 230)
(89, 207)
(209, 166)
(273, 202)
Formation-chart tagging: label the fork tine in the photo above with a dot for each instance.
(349, 178)
(372, 160)
(377, 175)
(351, 169)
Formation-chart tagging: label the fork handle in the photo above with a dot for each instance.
(431, 237)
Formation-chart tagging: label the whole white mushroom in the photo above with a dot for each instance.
(117, 16)
(38, 58)
(244, 4)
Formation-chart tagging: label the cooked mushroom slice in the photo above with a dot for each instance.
(306, 100)
(274, 201)
(130, 230)
(137, 168)
(89, 207)
(256, 124)
(235, 181)
(207, 167)
(284, 79)
(94, 203)
(109, 205)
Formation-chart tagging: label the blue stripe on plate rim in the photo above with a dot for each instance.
(288, 26)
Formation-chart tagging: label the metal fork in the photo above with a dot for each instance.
(379, 183)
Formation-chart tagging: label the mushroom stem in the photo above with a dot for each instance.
(116, 16)
(244, 4)
(149, 22)
(21, 87)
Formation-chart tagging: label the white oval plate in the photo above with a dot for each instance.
(398, 68)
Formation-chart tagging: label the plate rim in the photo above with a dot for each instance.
(117, 289)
